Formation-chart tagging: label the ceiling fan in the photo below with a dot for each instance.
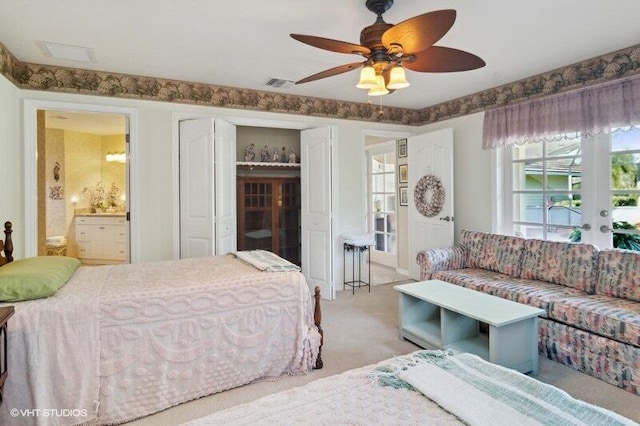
(388, 49)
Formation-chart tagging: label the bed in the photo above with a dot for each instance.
(119, 342)
(424, 387)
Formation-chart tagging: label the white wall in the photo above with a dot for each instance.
(473, 208)
(155, 162)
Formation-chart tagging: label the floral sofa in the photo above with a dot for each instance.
(591, 296)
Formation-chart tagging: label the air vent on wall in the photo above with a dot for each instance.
(279, 83)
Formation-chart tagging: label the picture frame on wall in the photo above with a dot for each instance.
(404, 196)
(403, 173)
(402, 148)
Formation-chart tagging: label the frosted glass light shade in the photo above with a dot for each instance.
(397, 79)
(367, 78)
(380, 89)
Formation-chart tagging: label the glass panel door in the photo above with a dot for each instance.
(382, 203)
(624, 165)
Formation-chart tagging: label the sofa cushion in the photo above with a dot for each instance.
(606, 316)
(499, 253)
(529, 292)
(619, 274)
(538, 294)
(470, 278)
(571, 265)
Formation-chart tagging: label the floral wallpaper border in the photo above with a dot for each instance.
(613, 66)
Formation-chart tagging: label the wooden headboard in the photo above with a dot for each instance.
(6, 246)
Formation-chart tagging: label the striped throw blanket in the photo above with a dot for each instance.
(475, 391)
(265, 261)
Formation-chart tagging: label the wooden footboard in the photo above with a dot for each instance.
(317, 318)
(7, 245)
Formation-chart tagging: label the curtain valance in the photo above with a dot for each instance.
(590, 111)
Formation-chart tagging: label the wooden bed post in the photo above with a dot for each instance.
(8, 242)
(317, 318)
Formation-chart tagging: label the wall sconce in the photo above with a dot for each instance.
(119, 157)
(74, 199)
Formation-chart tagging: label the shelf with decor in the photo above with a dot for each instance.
(256, 165)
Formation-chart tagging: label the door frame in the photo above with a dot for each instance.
(30, 108)
(256, 122)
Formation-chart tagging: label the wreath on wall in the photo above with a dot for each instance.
(428, 195)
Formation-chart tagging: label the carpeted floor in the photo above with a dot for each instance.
(362, 329)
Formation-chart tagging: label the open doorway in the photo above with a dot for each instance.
(82, 185)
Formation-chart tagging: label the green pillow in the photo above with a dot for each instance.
(35, 277)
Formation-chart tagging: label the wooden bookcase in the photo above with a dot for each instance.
(269, 215)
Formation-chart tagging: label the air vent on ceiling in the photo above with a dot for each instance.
(279, 83)
(65, 51)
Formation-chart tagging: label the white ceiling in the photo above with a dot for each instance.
(243, 43)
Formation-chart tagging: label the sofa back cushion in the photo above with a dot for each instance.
(619, 274)
(493, 252)
(568, 264)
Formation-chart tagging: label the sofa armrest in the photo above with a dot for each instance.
(433, 260)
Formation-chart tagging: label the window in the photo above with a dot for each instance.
(578, 190)
(382, 201)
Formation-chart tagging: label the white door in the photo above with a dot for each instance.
(315, 180)
(197, 232)
(430, 154)
(225, 186)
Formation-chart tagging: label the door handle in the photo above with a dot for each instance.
(446, 219)
(605, 229)
(586, 227)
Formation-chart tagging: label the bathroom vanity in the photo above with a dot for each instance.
(101, 237)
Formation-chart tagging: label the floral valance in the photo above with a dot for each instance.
(590, 111)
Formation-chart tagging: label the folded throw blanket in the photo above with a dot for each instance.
(481, 393)
(265, 261)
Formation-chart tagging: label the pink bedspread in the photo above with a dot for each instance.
(131, 340)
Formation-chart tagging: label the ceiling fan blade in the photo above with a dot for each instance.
(444, 59)
(420, 32)
(332, 45)
(331, 72)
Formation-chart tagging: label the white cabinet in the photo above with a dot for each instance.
(101, 238)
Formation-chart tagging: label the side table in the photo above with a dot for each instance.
(353, 248)
(5, 313)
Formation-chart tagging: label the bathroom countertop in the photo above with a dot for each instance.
(120, 214)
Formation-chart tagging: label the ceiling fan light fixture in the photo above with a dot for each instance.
(380, 88)
(367, 78)
(397, 79)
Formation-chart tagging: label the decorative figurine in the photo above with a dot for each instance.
(56, 172)
(249, 155)
(276, 155)
(264, 154)
(292, 155)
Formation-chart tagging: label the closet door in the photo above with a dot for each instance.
(225, 186)
(315, 180)
(197, 231)
(207, 187)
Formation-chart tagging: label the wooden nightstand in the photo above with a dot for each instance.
(5, 314)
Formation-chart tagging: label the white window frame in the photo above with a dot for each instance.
(595, 190)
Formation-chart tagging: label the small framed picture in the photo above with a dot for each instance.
(402, 148)
(403, 171)
(404, 197)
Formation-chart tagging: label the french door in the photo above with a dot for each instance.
(382, 202)
(576, 190)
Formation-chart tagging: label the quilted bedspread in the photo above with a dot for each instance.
(121, 342)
